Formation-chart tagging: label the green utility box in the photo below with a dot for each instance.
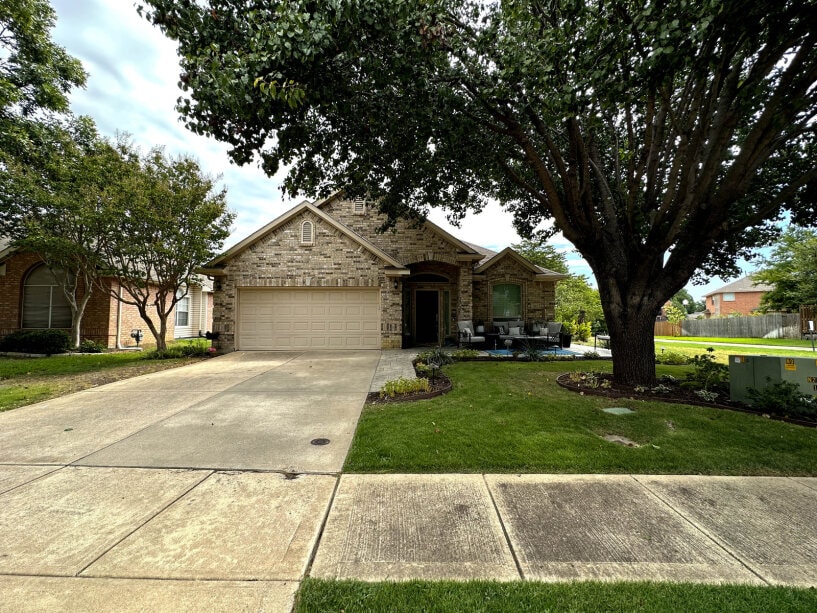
(759, 371)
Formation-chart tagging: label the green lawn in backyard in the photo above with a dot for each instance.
(486, 596)
(784, 342)
(513, 417)
(722, 352)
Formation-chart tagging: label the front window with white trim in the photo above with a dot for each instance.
(183, 312)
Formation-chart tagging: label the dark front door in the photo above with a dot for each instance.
(428, 316)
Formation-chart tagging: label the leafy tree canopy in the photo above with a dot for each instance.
(35, 73)
(663, 138)
(542, 254)
(792, 269)
(171, 219)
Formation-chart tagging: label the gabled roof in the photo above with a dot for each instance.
(539, 271)
(5, 248)
(213, 267)
(744, 284)
(465, 250)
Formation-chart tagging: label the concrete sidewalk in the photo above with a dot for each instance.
(752, 530)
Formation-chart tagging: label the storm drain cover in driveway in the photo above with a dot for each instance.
(319, 441)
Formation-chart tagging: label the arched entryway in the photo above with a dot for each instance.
(429, 304)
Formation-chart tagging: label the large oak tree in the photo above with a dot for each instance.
(662, 137)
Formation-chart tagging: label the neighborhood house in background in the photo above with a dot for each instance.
(321, 277)
(31, 299)
(741, 297)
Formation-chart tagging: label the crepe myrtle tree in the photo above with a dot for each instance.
(56, 204)
(172, 219)
(663, 139)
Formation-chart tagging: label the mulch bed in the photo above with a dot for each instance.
(439, 386)
(677, 395)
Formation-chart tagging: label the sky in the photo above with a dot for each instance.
(133, 87)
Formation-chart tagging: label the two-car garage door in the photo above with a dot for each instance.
(308, 318)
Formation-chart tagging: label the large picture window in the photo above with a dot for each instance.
(44, 302)
(507, 301)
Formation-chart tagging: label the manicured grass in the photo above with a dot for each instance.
(28, 380)
(13, 368)
(723, 352)
(485, 596)
(784, 342)
(513, 417)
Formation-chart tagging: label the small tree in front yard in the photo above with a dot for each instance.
(173, 220)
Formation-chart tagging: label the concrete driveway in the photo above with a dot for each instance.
(204, 476)
(242, 411)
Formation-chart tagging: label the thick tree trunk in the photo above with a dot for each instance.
(633, 345)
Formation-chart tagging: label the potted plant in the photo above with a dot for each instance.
(566, 335)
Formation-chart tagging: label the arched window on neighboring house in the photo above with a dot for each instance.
(307, 233)
(44, 302)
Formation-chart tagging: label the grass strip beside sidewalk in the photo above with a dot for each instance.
(487, 596)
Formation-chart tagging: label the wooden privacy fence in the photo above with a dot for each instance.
(665, 328)
(807, 314)
(771, 325)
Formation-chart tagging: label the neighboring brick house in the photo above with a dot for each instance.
(321, 276)
(740, 297)
(31, 299)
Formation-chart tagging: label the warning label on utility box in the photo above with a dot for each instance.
(790, 364)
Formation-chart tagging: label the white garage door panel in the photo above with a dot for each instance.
(308, 319)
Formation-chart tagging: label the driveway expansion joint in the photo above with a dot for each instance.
(508, 540)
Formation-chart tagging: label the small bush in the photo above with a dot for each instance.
(708, 374)
(459, 354)
(783, 398)
(435, 356)
(36, 341)
(673, 358)
(592, 355)
(580, 332)
(401, 386)
(532, 353)
(181, 350)
(89, 346)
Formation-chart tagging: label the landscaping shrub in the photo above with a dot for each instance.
(89, 346)
(36, 341)
(673, 358)
(708, 374)
(181, 350)
(783, 398)
(435, 356)
(398, 387)
(580, 332)
(459, 354)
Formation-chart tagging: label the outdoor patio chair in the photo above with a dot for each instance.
(553, 333)
(466, 334)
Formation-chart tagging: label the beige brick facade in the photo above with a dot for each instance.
(349, 251)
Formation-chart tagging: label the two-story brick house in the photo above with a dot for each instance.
(740, 297)
(321, 276)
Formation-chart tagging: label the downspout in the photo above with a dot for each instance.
(119, 320)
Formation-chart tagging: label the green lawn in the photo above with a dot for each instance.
(28, 380)
(723, 352)
(487, 596)
(513, 417)
(784, 342)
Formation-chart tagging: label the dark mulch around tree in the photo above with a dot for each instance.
(439, 385)
(677, 395)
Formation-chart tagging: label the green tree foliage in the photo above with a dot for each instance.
(576, 294)
(542, 254)
(792, 269)
(171, 219)
(661, 138)
(691, 306)
(35, 74)
(60, 206)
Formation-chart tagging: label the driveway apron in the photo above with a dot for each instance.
(265, 421)
(182, 490)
